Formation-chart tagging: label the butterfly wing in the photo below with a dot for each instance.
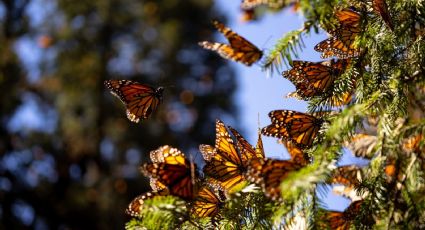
(300, 128)
(139, 99)
(224, 162)
(269, 173)
(209, 200)
(175, 172)
(298, 157)
(349, 175)
(334, 47)
(239, 49)
(310, 78)
(245, 51)
(246, 150)
(135, 207)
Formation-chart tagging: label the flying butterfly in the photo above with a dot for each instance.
(175, 172)
(380, 7)
(223, 161)
(239, 49)
(299, 128)
(341, 44)
(209, 200)
(269, 173)
(314, 78)
(139, 99)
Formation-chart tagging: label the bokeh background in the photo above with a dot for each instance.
(68, 155)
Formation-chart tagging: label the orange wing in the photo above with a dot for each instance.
(246, 150)
(239, 49)
(299, 128)
(209, 200)
(298, 157)
(135, 207)
(269, 174)
(334, 47)
(223, 162)
(140, 99)
(343, 220)
(349, 175)
(176, 173)
(314, 78)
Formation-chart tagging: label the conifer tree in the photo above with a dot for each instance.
(374, 106)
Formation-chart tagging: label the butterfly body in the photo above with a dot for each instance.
(140, 99)
(239, 49)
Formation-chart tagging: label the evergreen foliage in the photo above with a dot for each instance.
(387, 81)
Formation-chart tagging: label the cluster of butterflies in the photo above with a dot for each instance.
(231, 166)
(228, 168)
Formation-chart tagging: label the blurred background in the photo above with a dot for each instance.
(69, 157)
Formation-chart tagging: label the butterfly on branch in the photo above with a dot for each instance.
(161, 155)
(269, 174)
(341, 44)
(223, 162)
(209, 200)
(314, 78)
(239, 49)
(343, 220)
(139, 99)
(299, 128)
(175, 172)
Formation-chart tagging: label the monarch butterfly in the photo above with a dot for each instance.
(223, 162)
(246, 150)
(297, 155)
(348, 175)
(240, 49)
(341, 44)
(175, 172)
(269, 173)
(140, 99)
(161, 155)
(314, 78)
(136, 205)
(381, 8)
(209, 200)
(361, 145)
(299, 128)
(343, 220)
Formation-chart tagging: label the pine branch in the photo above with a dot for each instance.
(281, 53)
